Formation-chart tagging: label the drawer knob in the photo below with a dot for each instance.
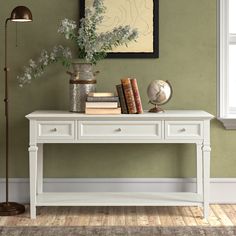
(183, 130)
(119, 130)
(54, 130)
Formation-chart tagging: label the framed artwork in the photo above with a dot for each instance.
(140, 14)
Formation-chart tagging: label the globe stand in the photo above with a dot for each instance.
(156, 109)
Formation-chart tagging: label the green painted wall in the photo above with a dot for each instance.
(187, 59)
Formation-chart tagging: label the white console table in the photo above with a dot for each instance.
(180, 126)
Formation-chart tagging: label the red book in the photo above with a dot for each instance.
(129, 95)
(137, 97)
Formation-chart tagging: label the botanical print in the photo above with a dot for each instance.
(135, 13)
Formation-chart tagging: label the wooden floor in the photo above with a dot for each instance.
(220, 215)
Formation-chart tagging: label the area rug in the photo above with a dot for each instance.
(118, 231)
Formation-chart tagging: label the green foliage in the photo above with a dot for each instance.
(92, 45)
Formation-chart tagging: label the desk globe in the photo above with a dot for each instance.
(159, 93)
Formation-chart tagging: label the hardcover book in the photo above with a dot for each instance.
(99, 111)
(103, 99)
(137, 97)
(121, 95)
(101, 94)
(129, 95)
(101, 104)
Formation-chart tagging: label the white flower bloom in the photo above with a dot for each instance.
(92, 45)
(36, 70)
(32, 64)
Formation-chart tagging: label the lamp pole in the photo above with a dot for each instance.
(6, 69)
(19, 14)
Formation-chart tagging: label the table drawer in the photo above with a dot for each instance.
(183, 129)
(56, 130)
(119, 130)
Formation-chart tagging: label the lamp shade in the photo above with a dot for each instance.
(21, 14)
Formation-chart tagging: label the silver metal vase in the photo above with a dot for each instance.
(82, 82)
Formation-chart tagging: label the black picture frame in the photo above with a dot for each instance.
(154, 54)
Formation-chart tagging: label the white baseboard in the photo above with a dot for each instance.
(222, 190)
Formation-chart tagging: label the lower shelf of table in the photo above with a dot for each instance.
(119, 199)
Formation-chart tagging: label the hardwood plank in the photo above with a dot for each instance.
(187, 216)
(53, 217)
(176, 216)
(17, 220)
(213, 218)
(105, 216)
(233, 206)
(164, 216)
(142, 218)
(3, 221)
(34, 222)
(130, 216)
(73, 218)
(221, 215)
(153, 216)
(230, 212)
(119, 216)
(198, 215)
(84, 216)
(45, 216)
(111, 219)
(23, 219)
(61, 214)
(10, 221)
(96, 217)
(116, 216)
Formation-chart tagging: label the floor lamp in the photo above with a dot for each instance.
(19, 14)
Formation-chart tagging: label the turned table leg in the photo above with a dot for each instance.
(206, 149)
(33, 151)
(40, 169)
(199, 168)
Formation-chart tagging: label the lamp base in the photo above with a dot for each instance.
(11, 209)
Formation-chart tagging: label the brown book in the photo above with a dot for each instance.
(137, 97)
(103, 111)
(129, 95)
(121, 95)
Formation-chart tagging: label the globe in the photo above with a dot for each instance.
(159, 92)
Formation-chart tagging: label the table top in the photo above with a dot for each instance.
(146, 114)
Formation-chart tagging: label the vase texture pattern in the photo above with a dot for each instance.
(82, 82)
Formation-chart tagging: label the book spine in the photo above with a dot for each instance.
(121, 95)
(137, 97)
(129, 96)
(101, 105)
(97, 111)
(101, 94)
(102, 99)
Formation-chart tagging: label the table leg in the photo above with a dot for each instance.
(40, 169)
(199, 168)
(33, 151)
(206, 149)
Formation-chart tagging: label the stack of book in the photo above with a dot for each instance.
(129, 96)
(102, 104)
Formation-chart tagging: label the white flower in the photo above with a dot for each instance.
(92, 45)
(66, 27)
(35, 70)
(32, 64)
